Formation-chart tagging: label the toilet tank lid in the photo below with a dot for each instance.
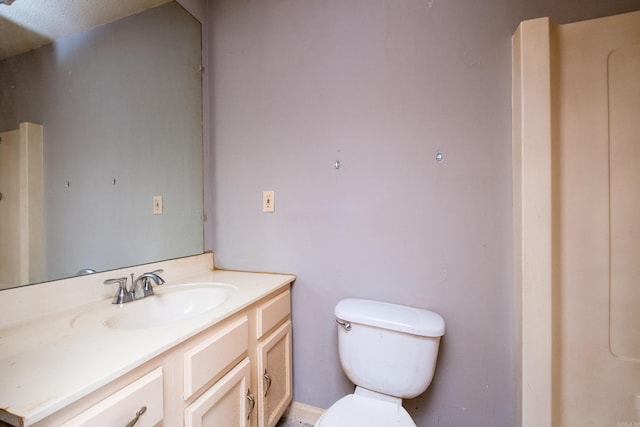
(389, 316)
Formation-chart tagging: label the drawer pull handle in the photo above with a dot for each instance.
(135, 420)
(267, 380)
(252, 403)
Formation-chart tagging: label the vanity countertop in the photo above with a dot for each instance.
(49, 362)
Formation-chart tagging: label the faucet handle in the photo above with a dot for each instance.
(121, 281)
(122, 295)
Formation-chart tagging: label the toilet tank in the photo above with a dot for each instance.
(388, 348)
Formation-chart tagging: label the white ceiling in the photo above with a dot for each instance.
(29, 24)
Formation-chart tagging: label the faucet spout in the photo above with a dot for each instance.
(143, 286)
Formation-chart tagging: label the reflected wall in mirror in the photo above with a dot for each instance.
(120, 109)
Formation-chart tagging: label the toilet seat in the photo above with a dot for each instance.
(355, 410)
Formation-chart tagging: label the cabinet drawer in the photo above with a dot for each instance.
(272, 312)
(121, 407)
(214, 357)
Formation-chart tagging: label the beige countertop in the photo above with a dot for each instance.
(50, 361)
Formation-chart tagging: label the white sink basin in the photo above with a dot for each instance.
(169, 304)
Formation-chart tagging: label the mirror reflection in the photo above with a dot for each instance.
(101, 150)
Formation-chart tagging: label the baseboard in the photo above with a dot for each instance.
(302, 413)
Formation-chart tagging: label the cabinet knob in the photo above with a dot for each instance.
(267, 380)
(135, 420)
(252, 403)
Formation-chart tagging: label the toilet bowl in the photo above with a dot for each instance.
(389, 352)
(360, 410)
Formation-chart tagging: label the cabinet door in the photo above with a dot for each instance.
(274, 375)
(227, 403)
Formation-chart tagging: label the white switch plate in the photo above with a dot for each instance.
(157, 205)
(268, 201)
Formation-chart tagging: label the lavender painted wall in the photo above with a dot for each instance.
(381, 86)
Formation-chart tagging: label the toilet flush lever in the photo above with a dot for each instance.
(345, 325)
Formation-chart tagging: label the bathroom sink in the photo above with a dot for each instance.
(169, 304)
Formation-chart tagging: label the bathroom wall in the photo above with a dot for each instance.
(381, 86)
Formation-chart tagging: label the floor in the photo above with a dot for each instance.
(300, 415)
(286, 423)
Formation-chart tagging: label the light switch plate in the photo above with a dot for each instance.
(157, 205)
(268, 201)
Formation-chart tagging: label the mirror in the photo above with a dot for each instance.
(119, 109)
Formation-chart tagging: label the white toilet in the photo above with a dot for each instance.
(389, 352)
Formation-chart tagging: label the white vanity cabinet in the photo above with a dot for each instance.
(235, 373)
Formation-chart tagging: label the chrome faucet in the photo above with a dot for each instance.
(140, 287)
